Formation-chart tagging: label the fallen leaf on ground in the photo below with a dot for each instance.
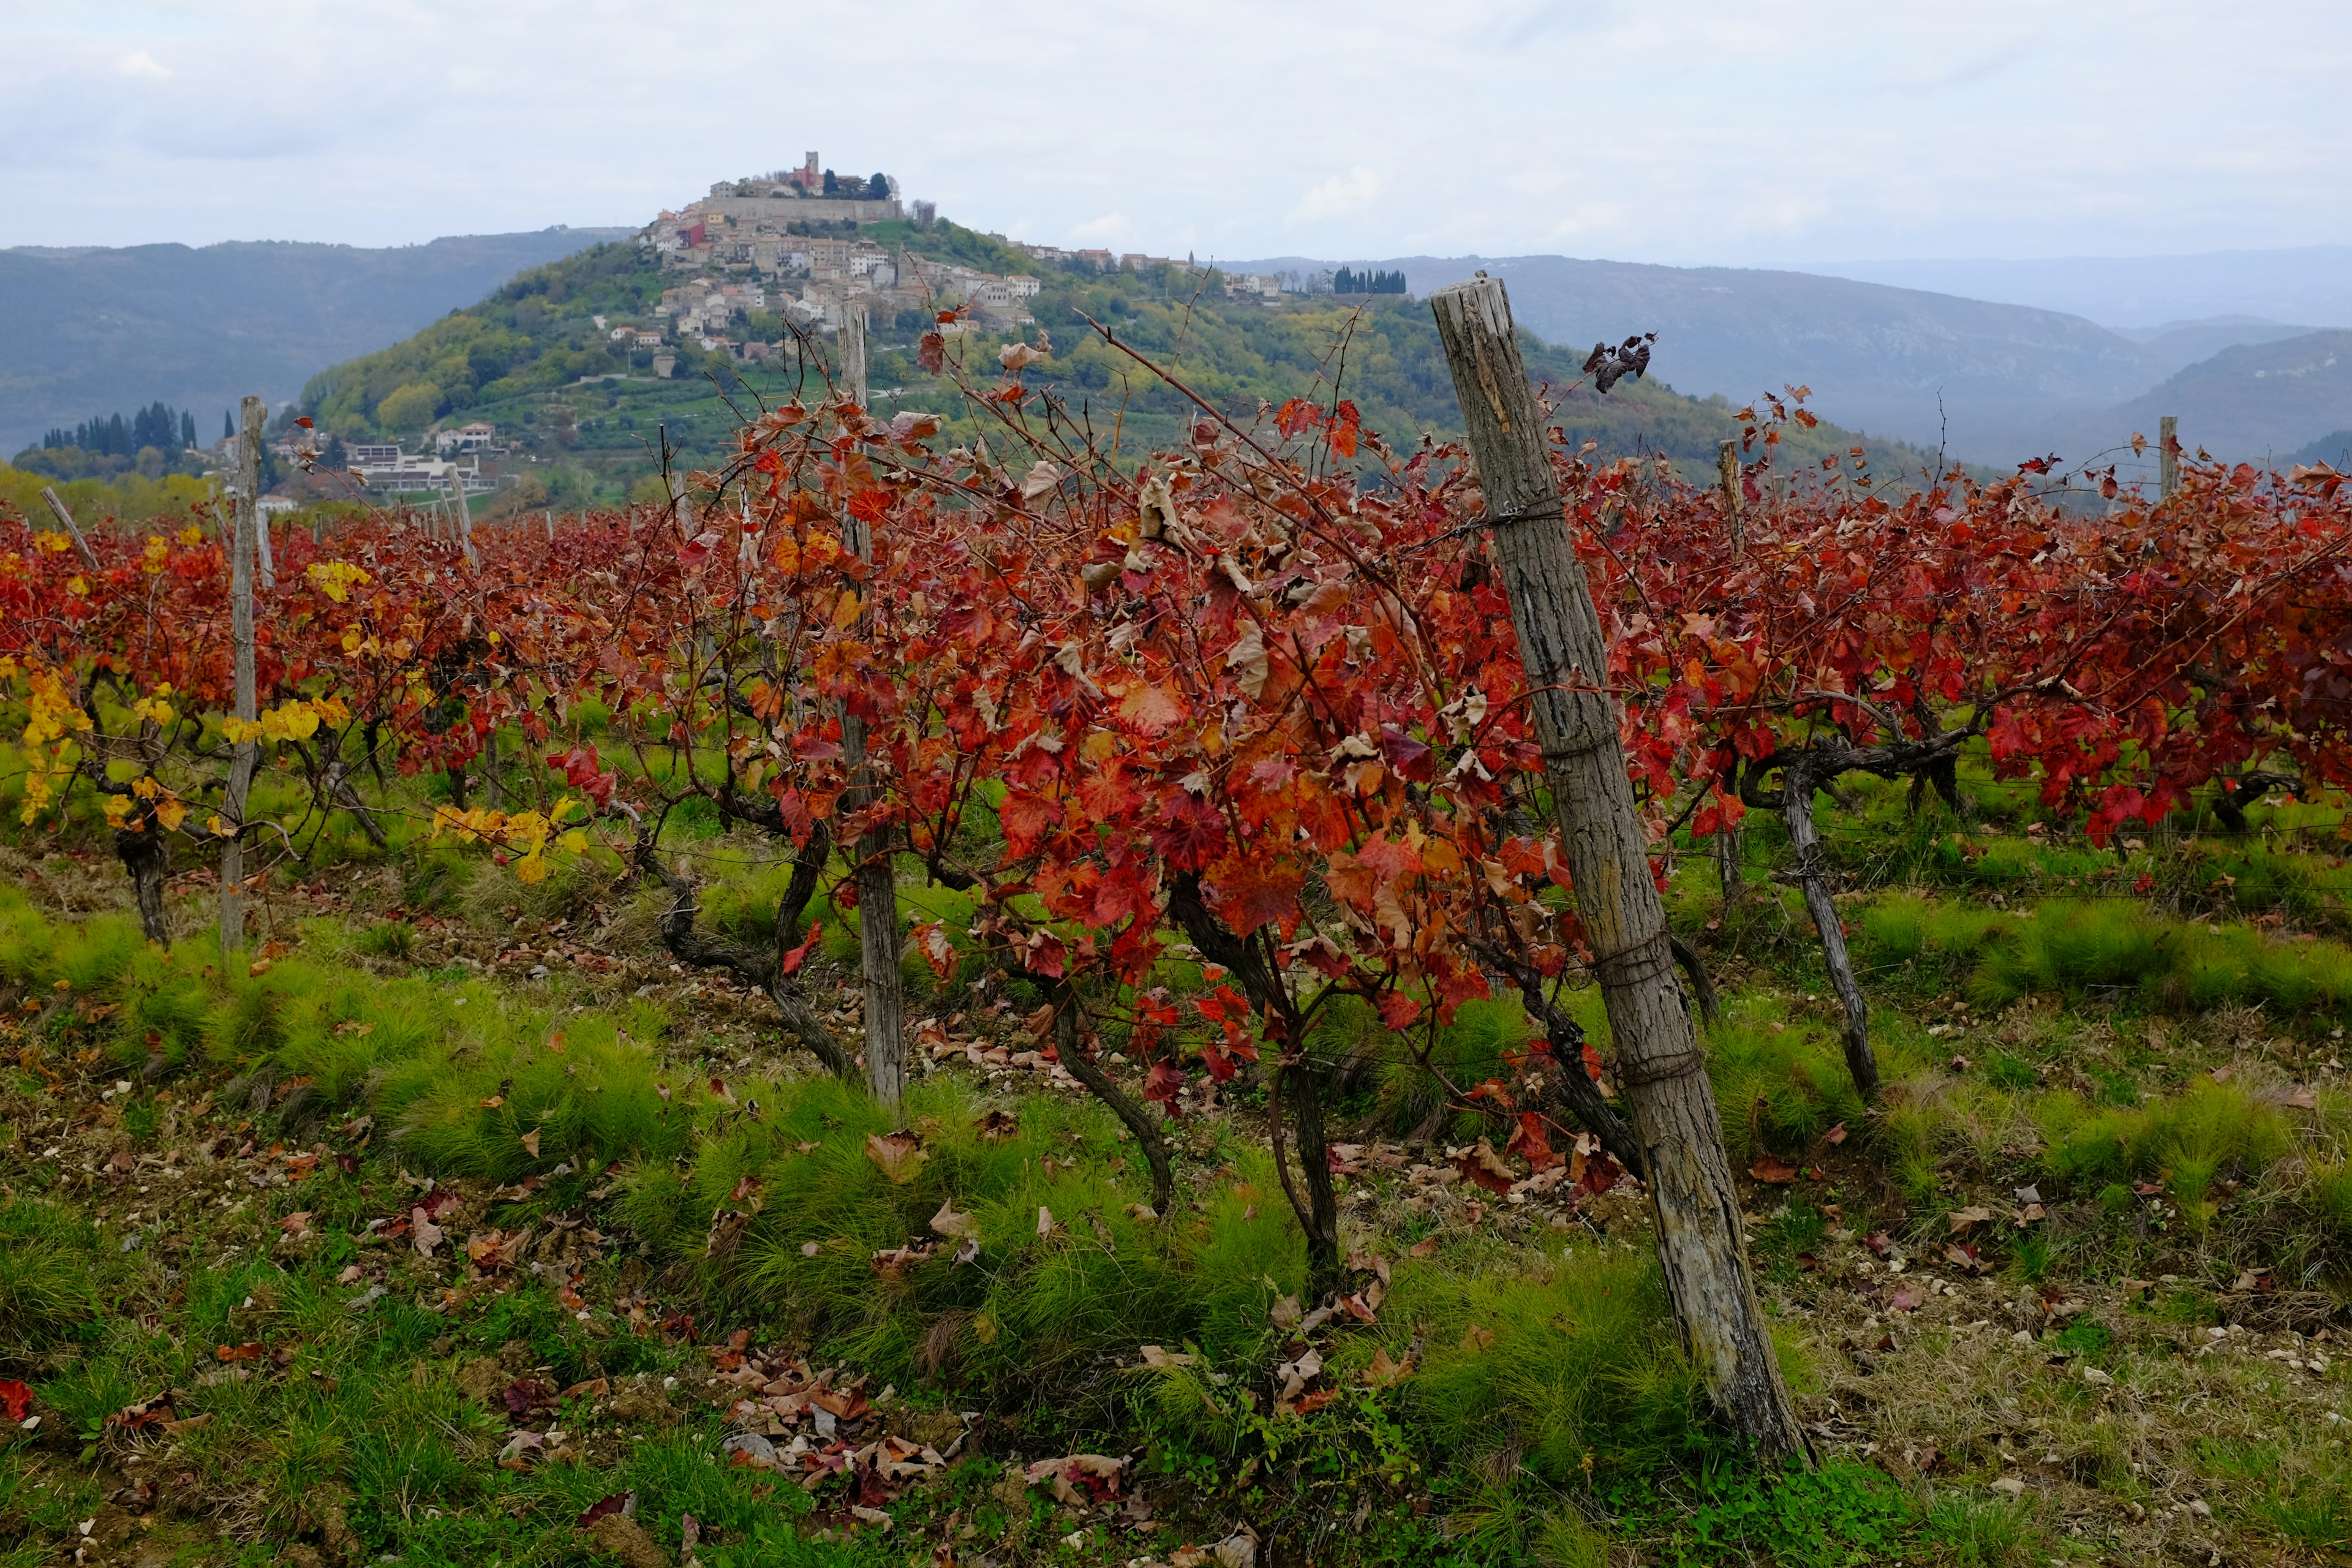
(530, 1143)
(1080, 1478)
(1773, 1169)
(899, 1155)
(1481, 1165)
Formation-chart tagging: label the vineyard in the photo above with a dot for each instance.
(1303, 1001)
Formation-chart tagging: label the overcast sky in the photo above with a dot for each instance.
(1678, 131)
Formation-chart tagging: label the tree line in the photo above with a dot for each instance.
(111, 435)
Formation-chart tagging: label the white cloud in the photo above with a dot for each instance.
(1110, 228)
(1341, 195)
(1722, 130)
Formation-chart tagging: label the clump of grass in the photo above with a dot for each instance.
(2187, 1139)
(1779, 1087)
(1043, 1306)
(46, 1289)
(1550, 1370)
(2072, 946)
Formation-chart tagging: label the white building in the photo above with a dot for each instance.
(386, 469)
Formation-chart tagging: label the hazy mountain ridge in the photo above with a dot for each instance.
(2255, 401)
(2305, 283)
(1978, 379)
(90, 329)
(1985, 381)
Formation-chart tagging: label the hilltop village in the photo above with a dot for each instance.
(788, 243)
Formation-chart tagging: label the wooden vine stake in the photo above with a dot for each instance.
(73, 529)
(1671, 1103)
(2168, 457)
(247, 753)
(465, 514)
(877, 877)
(1730, 851)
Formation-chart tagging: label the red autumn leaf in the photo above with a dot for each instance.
(1251, 892)
(1024, 818)
(1772, 1168)
(15, 1398)
(1531, 1142)
(1149, 708)
(1162, 1084)
(615, 1502)
(790, 963)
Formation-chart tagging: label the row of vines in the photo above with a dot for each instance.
(1258, 699)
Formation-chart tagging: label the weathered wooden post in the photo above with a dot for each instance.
(465, 514)
(268, 563)
(1672, 1105)
(2168, 457)
(244, 754)
(1730, 852)
(73, 530)
(877, 876)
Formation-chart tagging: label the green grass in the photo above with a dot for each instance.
(2106, 949)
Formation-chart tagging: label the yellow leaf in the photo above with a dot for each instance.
(845, 608)
(530, 1143)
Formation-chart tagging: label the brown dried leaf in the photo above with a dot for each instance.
(899, 1155)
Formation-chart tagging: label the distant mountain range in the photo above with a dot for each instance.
(90, 331)
(2309, 283)
(1985, 381)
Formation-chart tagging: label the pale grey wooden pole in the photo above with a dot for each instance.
(1672, 1106)
(465, 514)
(853, 353)
(2168, 457)
(1730, 851)
(245, 754)
(876, 875)
(262, 557)
(73, 530)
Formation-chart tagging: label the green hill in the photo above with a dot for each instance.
(584, 415)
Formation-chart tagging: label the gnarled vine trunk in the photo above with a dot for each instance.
(1810, 873)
